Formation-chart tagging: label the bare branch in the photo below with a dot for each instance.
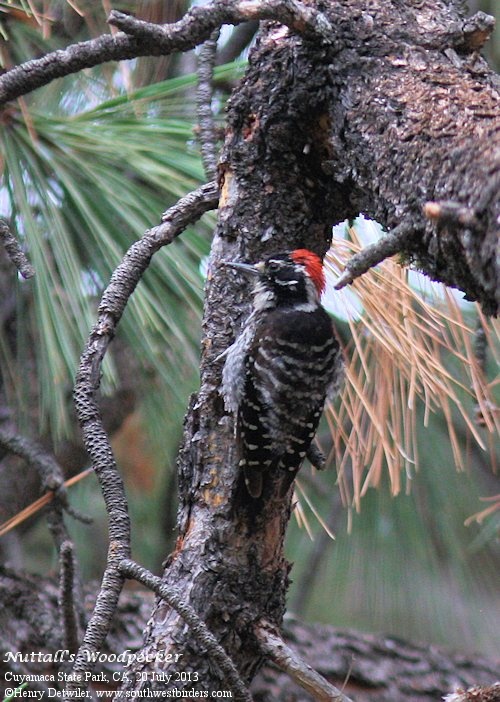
(44, 500)
(48, 469)
(204, 95)
(14, 251)
(114, 299)
(197, 24)
(52, 480)
(66, 596)
(46, 466)
(30, 75)
(198, 627)
(447, 212)
(148, 39)
(56, 525)
(390, 244)
(287, 660)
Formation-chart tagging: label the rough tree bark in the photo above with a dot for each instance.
(395, 111)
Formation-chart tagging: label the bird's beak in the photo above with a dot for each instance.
(246, 268)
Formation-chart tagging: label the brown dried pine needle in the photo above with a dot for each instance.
(405, 350)
(38, 504)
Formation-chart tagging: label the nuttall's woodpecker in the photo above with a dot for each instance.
(281, 368)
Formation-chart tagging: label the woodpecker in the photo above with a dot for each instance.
(281, 368)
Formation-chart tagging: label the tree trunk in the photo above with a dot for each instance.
(396, 111)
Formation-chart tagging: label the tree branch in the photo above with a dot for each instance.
(32, 453)
(41, 502)
(288, 661)
(67, 607)
(148, 39)
(198, 627)
(51, 475)
(204, 95)
(52, 483)
(375, 667)
(14, 251)
(197, 24)
(390, 244)
(114, 299)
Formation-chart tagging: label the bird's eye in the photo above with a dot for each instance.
(273, 266)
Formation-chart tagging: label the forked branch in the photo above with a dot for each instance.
(198, 627)
(140, 38)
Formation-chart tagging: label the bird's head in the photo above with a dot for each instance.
(291, 279)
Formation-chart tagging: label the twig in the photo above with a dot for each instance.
(198, 627)
(148, 39)
(289, 662)
(50, 472)
(67, 609)
(14, 251)
(52, 480)
(56, 525)
(45, 465)
(197, 24)
(113, 302)
(37, 505)
(390, 244)
(204, 95)
(449, 212)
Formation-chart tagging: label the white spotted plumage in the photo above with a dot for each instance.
(280, 369)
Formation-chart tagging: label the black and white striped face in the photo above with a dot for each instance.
(284, 283)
